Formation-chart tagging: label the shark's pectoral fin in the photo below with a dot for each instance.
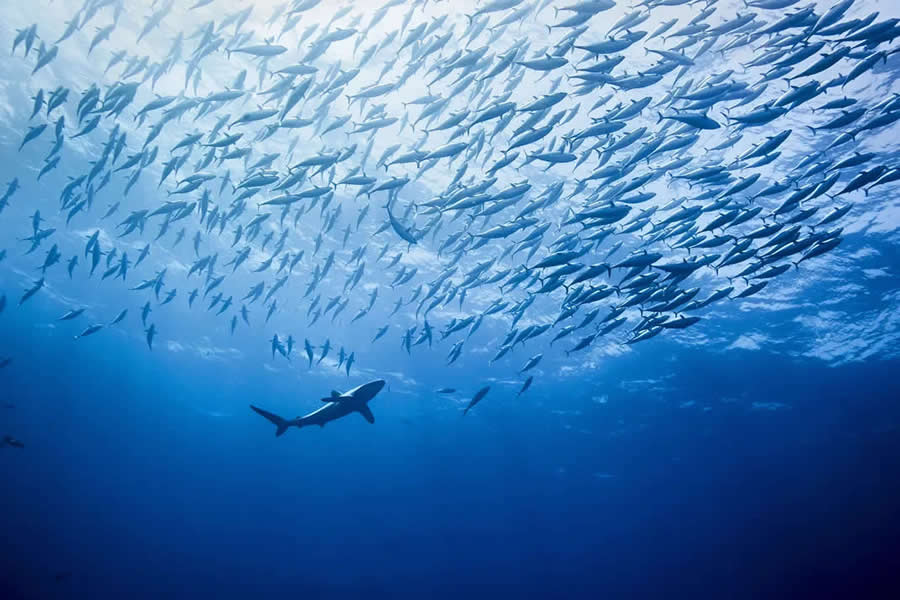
(366, 412)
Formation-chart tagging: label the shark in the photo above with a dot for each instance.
(337, 405)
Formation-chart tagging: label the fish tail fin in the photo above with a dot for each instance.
(280, 423)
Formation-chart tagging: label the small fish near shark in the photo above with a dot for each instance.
(515, 174)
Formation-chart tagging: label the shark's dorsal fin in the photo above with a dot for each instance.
(334, 397)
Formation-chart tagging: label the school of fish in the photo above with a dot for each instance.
(522, 159)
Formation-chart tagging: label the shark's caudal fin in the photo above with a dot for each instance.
(280, 423)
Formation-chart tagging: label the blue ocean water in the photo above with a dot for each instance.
(739, 475)
(753, 455)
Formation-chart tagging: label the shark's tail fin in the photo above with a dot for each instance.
(280, 423)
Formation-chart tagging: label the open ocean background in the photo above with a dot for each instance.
(755, 456)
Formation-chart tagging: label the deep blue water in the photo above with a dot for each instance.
(130, 485)
(755, 454)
